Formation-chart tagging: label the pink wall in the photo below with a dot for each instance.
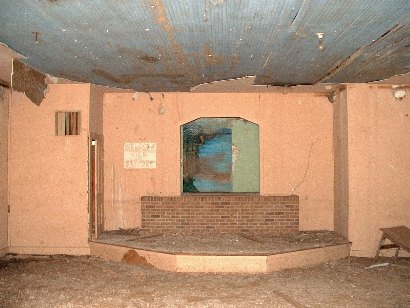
(379, 164)
(366, 128)
(296, 137)
(4, 130)
(49, 174)
(6, 63)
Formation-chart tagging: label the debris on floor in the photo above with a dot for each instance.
(377, 265)
(224, 243)
(67, 281)
(132, 257)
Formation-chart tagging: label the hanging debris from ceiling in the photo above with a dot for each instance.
(52, 79)
(29, 81)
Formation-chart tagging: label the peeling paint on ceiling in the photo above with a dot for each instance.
(171, 45)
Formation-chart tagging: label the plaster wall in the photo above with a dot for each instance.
(6, 63)
(4, 129)
(296, 148)
(379, 165)
(341, 180)
(5, 69)
(48, 174)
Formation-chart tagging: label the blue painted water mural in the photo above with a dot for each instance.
(218, 149)
(216, 153)
(204, 185)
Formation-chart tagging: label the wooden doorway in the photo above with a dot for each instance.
(96, 182)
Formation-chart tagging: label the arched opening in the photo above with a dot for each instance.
(220, 155)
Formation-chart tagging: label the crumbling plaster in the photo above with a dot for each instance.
(29, 81)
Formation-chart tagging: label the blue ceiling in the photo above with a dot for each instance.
(172, 45)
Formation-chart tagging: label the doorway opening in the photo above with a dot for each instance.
(95, 191)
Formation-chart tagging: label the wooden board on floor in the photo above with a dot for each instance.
(399, 235)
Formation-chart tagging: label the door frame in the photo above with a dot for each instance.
(95, 185)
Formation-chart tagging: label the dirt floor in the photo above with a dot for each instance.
(65, 281)
(221, 244)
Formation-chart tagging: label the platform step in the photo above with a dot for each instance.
(190, 263)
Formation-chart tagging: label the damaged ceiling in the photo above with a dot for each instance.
(170, 45)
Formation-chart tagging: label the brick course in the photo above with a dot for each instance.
(221, 213)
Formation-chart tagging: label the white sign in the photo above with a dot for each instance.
(140, 155)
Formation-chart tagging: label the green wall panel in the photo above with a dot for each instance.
(245, 144)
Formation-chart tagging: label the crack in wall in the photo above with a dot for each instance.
(308, 164)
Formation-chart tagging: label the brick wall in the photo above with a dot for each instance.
(221, 213)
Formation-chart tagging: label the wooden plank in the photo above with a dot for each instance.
(67, 123)
(56, 124)
(29, 81)
(289, 299)
(60, 120)
(399, 235)
(71, 116)
(388, 246)
(4, 84)
(77, 122)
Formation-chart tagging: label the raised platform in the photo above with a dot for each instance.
(224, 253)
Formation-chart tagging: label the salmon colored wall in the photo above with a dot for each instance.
(4, 130)
(296, 146)
(341, 180)
(5, 68)
(6, 63)
(379, 164)
(48, 174)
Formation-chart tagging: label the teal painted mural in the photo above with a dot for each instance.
(220, 155)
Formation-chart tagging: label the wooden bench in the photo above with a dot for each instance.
(399, 236)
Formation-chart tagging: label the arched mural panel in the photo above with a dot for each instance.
(220, 155)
